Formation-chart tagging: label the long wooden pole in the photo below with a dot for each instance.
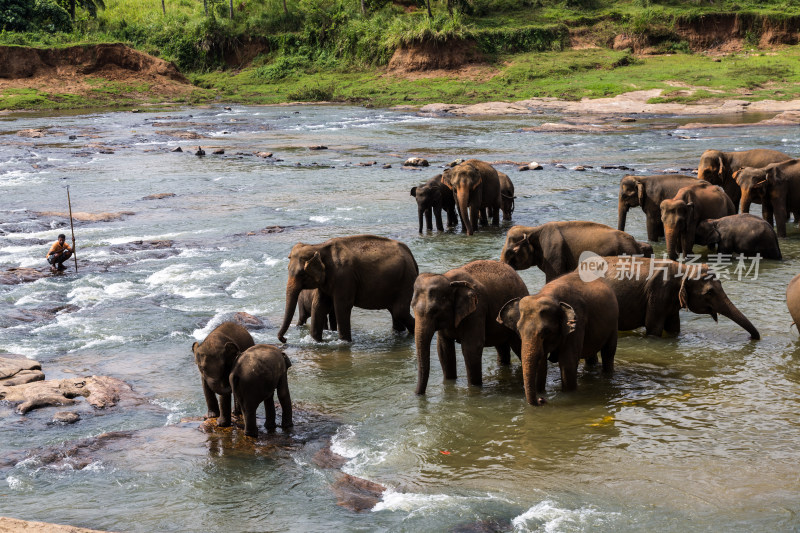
(72, 226)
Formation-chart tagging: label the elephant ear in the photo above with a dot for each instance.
(569, 322)
(509, 315)
(315, 269)
(683, 296)
(194, 350)
(414, 191)
(230, 352)
(721, 167)
(640, 192)
(466, 300)
(478, 184)
(446, 180)
(286, 360)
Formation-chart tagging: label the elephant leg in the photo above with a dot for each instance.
(569, 374)
(672, 324)
(211, 400)
(654, 322)
(332, 320)
(484, 216)
(224, 419)
(452, 218)
(343, 311)
(590, 361)
(250, 424)
(503, 354)
(237, 409)
(429, 219)
(495, 216)
(472, 350)
(401, 317)
(269, 407)
(447, 356)
(285, 400)
(654, 229)
(437, 214)
(319, 314)
(474, 216)
(608, 351)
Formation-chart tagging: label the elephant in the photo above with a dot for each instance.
(648, 192)
(476, 186)
(793, 299)
(739, 234)
(717, 168)
(568, 318)
(506, 195)
(305, 304)
(215, 358)
(556, 247)
(783, 189)
(753, 187)
(363, 271)
(651, 292)
(461, 306)
(258, 372)
(691, 204)
(432, 197)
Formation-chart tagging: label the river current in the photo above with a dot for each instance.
(694, 432)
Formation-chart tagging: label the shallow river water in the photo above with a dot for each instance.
(695, 432)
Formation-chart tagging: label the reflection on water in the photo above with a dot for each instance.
(694, 431)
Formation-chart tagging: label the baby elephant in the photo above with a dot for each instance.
(258, 371)
(739, 234)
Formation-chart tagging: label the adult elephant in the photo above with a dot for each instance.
(754, 188)
(306, 301)
(651, 292)
(648, 192)
(793, 299)
(215, 357)
(364, 271)
(739, 234)
(506, 195)
(681, 214)
(476, 186)
(431, 198)
(784, 191)
(556, 247)
(717, 168)
(570, 318)
(461, 306)
(260, 371)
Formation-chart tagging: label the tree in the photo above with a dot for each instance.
(90, 6)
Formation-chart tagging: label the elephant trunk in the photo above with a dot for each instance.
(731, 311)
(671, 236)
(533, 358)
(622, 215)
(745, 201)
(423, 334)
(687, 240)
(462, 201)
(293, 288)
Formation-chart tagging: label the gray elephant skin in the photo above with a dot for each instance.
(681, 214)
(432, 197)
(570, 318)
(717, 168)
(651, 293)
(260, 371)
(215, 358)
(648, 192)
(556, 247)
(506, 195)
(475, 186)
(363, 271)
(305, 305)
(739, 234)
(793, 299)
(461, 306)
(783, 189)
(754, 188)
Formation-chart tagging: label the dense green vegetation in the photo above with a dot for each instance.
(336, 49)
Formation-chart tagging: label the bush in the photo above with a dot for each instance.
(51, 17)
(16, 15)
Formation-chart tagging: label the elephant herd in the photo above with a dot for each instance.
(486, 303)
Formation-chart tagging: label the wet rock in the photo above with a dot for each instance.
(357, 494)
(218, 152)
(579, 168)
(33, 133)
(73, 137)
(550, 127)
(188, 135)
(15, 276)
(249, 321)
(81, 216)
(160, 196)
(29, 315)
(178, 149)
(7, 525)
(99, 391)
(327, 458)
(77, 454)
(267, 231)
(226, 108)
(200, 152)
(318, 147)
(136, 110)
(533, 165)
(18, 370)
(559, 165)
(484, 526)
(263, 154)
(615, 167)
(627, 119)
(66, 417)
(387, 165)
(368, 164)
(455, 162)
(136, 246)
(416, 162)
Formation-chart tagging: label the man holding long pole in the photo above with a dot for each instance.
(60, 251)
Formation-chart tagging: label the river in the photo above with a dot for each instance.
(695, 432)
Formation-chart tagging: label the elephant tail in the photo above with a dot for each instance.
(286, 359)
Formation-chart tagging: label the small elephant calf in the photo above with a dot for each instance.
(258, 371)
